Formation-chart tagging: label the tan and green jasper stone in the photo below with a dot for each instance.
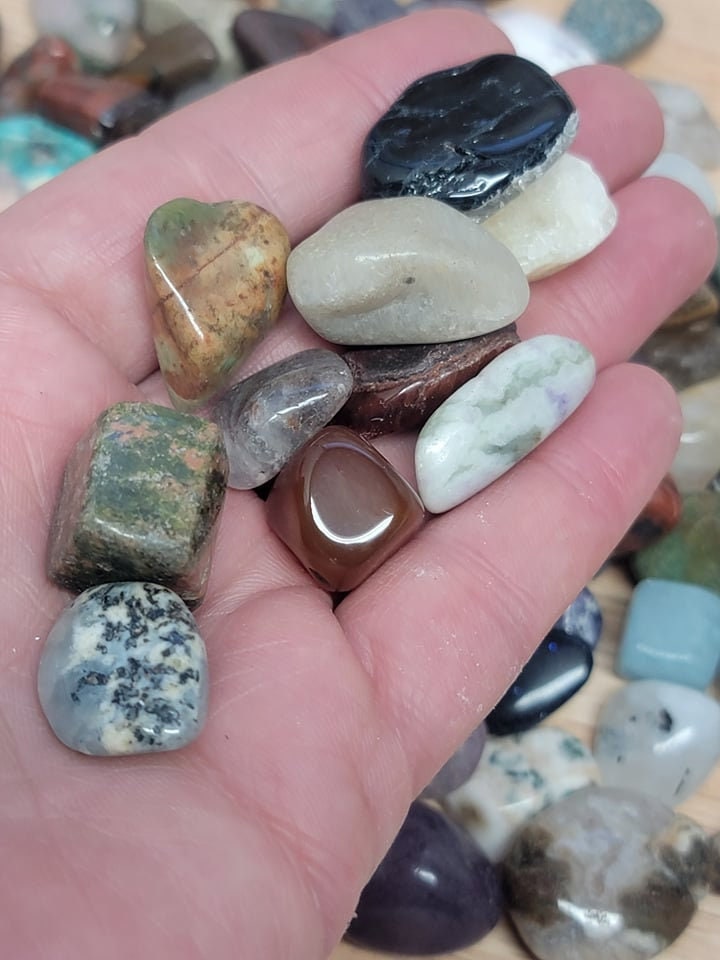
(217, 283)
(140, 501)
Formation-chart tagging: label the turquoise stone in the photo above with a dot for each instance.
(35, 150)
(672, 632)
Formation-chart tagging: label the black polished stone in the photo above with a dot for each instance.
(554, 673)
(465, 135)
(434, 892)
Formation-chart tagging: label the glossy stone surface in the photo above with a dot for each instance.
(34, 150)
(691, 551)
(560, 666)
(217, 283)
(517, 776)
(140, 499)
(696, 460)
(268, 417)
(689, 127)
(660, 515)
(397, 388)
(172, 60)
(434, 891)
(124, 671)
(103, 109)
(684, 355)
(342, 509)
(471, 136)
(403, 271)
(459, 768)
(550, 45)
(497, 418)
(658, 738)
(583, 619)
(100, 30)
(558, 219)
(704, 304)
(674, 166)
(672, 633)
(47, 58)
(605, 873)
(615, 28)
(264, 37)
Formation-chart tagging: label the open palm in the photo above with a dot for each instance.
(254, 842)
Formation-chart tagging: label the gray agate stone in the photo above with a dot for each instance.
(268, 417)
(124, 671)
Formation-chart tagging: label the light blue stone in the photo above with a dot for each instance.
(672, 632)
(35, 150)
(124, 671)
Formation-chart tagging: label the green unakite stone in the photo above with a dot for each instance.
(140, 499)
(691, 551)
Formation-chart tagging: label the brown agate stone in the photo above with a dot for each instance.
(397, 388)
(173, 60)
(660, 515)
(46, 59)
(342, 509)
(264, 37)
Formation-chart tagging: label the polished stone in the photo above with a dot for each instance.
(698, 455)
(47, 58)
(352, 16)
(266, 418)
(560, 666)
(583, 619)
(689, 127)
(101, 31)
(560, 218)
(402, 271)
(217, 283)
(672, 633)
(214, 18)
(124, 671)
(471, 136)
(264, 37)
(605, 873)
(397, 388)
(173, 60)
(497, 418)
(320, 12)
(140, 500)
(658, 738)
(615, 28)
(518, 776)
(704, 304)
(659, 516)
(342, 509)
(34, 150)
(690, 552)
(459, 768)
(674, 166)
(549, 44)
(433, 892)
(684, 355)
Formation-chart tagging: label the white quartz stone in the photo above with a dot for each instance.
(404, 270)
(698, 456)
(673, 166)
(100, 30)
(499, 416)
(659, 738)
(556, 220)
(517, 776)
(689, 128)
(551, 45)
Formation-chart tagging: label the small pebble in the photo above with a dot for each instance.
(658, 517)
(549, 44)
(583, 619)
(698, 455)
(459, 768)
(101, 31)
(34, 150)
(615, 28)
(689, 128)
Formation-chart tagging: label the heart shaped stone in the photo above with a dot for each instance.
(217, 278)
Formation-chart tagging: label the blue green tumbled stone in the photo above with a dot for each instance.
(35, 150)
(615, 28)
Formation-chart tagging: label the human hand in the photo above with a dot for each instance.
(255, 841)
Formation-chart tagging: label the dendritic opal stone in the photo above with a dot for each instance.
(658, 738)
(123, 671)
(499, 416)
(402, 271)
(268, 417)
(471, 136)
(217, 282)
(605, 873)
(140, 500)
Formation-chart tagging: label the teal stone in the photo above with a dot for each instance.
(672, 633)
(35, 150)
(615, 28)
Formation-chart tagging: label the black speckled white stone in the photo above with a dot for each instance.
(472, 136)
(124, 671)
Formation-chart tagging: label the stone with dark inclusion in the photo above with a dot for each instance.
(605, 873)
(172, 60)
(264, 37)
(434, 892)
(140, 500)
(397, 388)
(583, 618)
(266, 418)
(459, 768)
(47, 58)
(555, 672)
(471, 136)
(342, 508)
(661, 513)
(124, 671)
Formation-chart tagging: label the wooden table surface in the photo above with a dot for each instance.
(686, 52)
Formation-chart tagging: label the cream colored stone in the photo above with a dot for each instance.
(698, 456)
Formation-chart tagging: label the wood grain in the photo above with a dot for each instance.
(686, 52)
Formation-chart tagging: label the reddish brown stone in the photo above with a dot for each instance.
(342, 509)
(264, 37)
(47, 59)
(397, 388)
(173, 60)
(660, 515)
